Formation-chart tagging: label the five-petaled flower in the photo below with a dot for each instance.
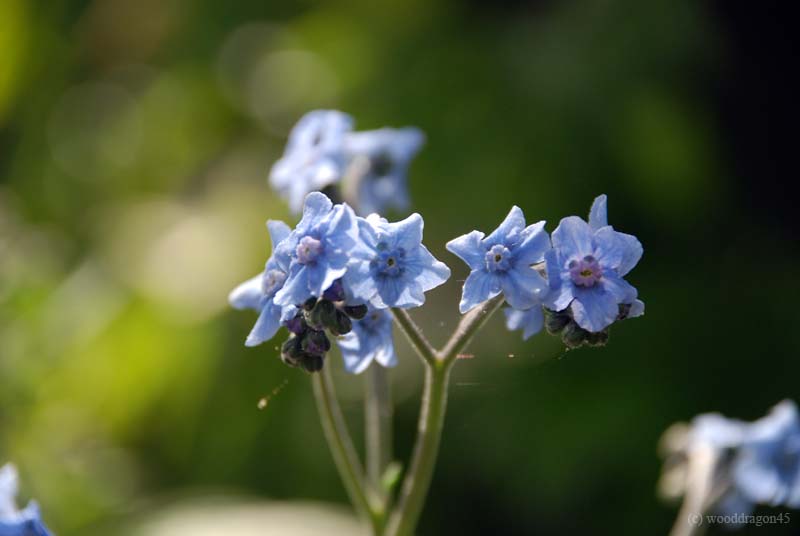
(585, 270)
(370, 340)
(394, 269)
(14, 522)
(258, 293)
(503, 262)
(314, 157)
(381, 159)
(317, 251)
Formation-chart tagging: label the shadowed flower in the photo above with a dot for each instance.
(502, 262)
(529, 321)
(14, 522)
(385, 155)
(258, 293)
(395, 269)
(370, 340)
(317, 251)
(585, 270)
(314, 157)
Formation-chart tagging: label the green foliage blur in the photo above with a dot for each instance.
(135, 140)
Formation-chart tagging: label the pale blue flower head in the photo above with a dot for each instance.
(370, 340)
(317, 251)
(14, 522)
(502, 262)
(529, 321)
(394, 269)
(314, 157)
(383, 157)
(258, 293)
(767, 470)
(585, 270)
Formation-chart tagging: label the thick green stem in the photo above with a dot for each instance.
(341, 446)
(378, 424)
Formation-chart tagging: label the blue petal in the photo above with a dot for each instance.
(321, 277)
(621, 290)
(560, 295)
(248, 295)
(342, 231)
(573, 238)
(535, 243)
(633, 252)
(431, 272)
(479, 287)
(508, 230)
(530, 321)
(295, 289)
(523, 287)
(359, 282)
(598, 214)
(593, 309)
(278, 231)
(267, 325)
(396, 292)
(356, 360)
(315, 208)
(469, 249)
(408, 232)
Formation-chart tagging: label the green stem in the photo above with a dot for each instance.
(344, 455)
(378, 425)
(405, 515)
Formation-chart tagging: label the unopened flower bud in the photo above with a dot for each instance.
(356, 312)
(573, 335)
(555, 322)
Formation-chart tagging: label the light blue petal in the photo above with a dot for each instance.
(479, 287)
(356, 360)
(534, 245)
(431, 272)
(530, 321)
(622, 291)
(633, 252)
(573, 238)
(315, 208)
(321, 277)
(342, 230)
(395, 292)
(511, 227)
(267, 325)
(295, 289)
(358, 281)
(594, 310)
(278, 231)
(408, 232)
(523, 287)
(598, 214)
(609, 249)
(560, 294)
(469, 249)
(248, 295)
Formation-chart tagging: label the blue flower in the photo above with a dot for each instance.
(258, 293)
(394, 269)
(502, 262)
(529, 321)
(585, 270)
(317, 251)
(767, 470)
(370, 340)
(385, 155)
(13, 522)
(314, 157)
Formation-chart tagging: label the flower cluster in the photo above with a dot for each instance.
(328, 273)
(14, 522)
(571, 284)
(748, 463)
(323, 150)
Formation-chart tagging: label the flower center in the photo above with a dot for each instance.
(272, 282)
(498, 258)
(308, 250)
(389, 262)
(381, 164)
(585, 272)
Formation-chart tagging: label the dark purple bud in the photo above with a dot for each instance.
(335, 292)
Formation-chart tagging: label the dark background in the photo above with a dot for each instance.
(135, 139)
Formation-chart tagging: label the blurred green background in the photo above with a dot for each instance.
(135, 139)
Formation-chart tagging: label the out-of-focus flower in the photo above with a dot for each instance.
(382, 158)
(14, 522)
(502, 262)
(258, 293)
(370, 340)
(585, 270)
(395, 269)
(529, 321)
(314, 157)
(317, 250)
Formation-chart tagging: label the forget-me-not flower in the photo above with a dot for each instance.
(529, 321)
(370, 340)
(317, 250)
(585, 270)
(314, 157)
(394, 269)
(383, 157)
(767, 470)
(14, 522)
(258, 293)
(502, 262)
